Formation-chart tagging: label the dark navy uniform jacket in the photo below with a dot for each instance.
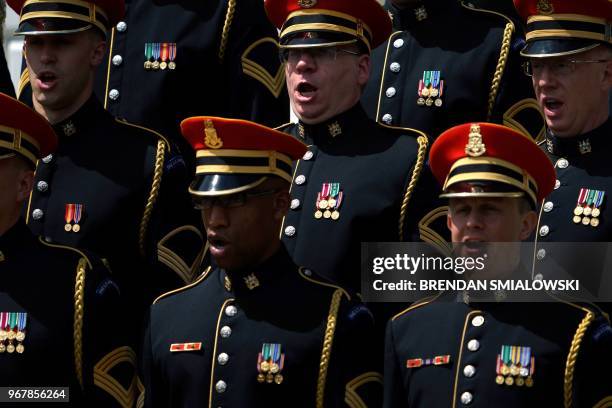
(132, 188)
(580, 162)
(226, 65)
(477, 54)
(6, 86)
(385, 187)
(75, 327)
(569, 343)
(219, 324)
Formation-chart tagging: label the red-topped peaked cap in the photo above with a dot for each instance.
(489, 160)
(38, 17)
(563, 27)
(317, 23)
(234, 155)
(23, 131)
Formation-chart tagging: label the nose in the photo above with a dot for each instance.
(474, 220)
(305, 62)
(545, 77)
(215, 217)
(47, 53)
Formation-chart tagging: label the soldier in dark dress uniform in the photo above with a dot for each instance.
(458, 351)
(359, 181)
(60, 319)
(450, 62)
(112, 187)
(569, 55)
(256, 330)
(170, 59)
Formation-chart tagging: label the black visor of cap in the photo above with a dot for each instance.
(553, 47)
(211, 184)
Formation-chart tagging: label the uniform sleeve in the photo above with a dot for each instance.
(394, 393)
(355, 378)
(105, 360)
(591, 387)
(256, 78)
(6, 86)
(174, 239)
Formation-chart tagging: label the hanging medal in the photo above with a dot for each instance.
(426, 82)
(529, 379)
(420, 99)
(515, 359)
(505, 357)
(524, 365)
(3, 331)
(499, 379)
(68, 216)
(22, 319)
(597, 208)
(318, 213)
(12, 332)
(148, 55)
(78, 213)
(438, 101)
(579, 206)
(327, 213)
(435, 81)
(172, 56)
(164, 56)
(586, 220)
(336, 213)
(156, 52)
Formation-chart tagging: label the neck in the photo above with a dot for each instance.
(56, 115)
(597, 119)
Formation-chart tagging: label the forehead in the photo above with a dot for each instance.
(476, 202)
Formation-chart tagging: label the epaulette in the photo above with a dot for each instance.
(308, 275)
(416, 305)
(201, 278)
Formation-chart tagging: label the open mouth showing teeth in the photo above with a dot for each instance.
(552, 104)
(306, 89)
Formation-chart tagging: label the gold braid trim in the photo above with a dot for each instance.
(79, 311)
(604, 403)
(501, 65)
(422, 140)
(572, 356)
(155, 185)
(229, 16)
(327, 346)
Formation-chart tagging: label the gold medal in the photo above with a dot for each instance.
(529, 382)
(509, 380)
(265, 366)
(514, 370)
(434, 92)
(155, 65)
(163, 65)
(327, 214)
(438, 102)
(595, 212)
(421, 101)
(586, 220)
(269, 378)
(429, 102)
(331, 203)
(20, 348)
(587, 211)
(68, 227)
(2, 348)
(3, 335)
(323, 204)
(520, 382)
(318, 214)
(274, 368)
(171, 65)
(578, 210)
(576, 219)
(278, 378)
(594, 222)
(147, 65)
(76, 228)
(505, 370)
(261, 378)
(499, 379)
(11, 335)
(335, 215)
(20, 336)
(425, 92)
(10, 348)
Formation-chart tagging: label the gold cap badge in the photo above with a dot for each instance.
(544, 7)
(211, 139)
(307, 3)
(475, 147)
